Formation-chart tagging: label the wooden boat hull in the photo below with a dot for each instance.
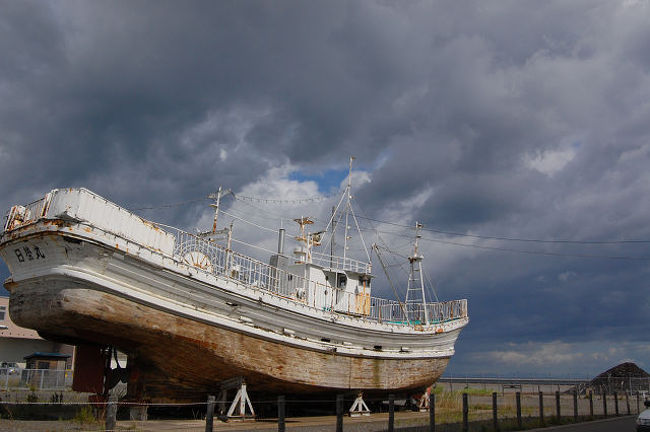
(181, 359)
(121, 281)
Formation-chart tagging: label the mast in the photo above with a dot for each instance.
(305, 239)
(212, 235)
(217, 199)
(348, 193)
(332, 236)
(345, 205)
(413, 290)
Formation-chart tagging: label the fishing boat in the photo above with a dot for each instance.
(191, 313)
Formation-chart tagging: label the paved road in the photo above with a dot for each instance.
(611, 425)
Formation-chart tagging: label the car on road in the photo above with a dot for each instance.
(643, 420)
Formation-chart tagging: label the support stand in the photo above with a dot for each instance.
(424, 402)
(237, 409)
(359, 407)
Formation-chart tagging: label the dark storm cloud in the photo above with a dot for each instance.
(519, 119)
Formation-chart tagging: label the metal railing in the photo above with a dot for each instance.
(340, 263)
(31, 212)
(215, 259)
(35, 379)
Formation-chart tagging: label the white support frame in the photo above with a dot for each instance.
(241, 401)
(359, 407)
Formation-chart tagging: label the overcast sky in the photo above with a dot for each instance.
(508, 119)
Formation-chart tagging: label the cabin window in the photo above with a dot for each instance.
(342, 280)
(3, 310)
(290, 277)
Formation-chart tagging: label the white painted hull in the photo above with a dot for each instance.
(191, 329)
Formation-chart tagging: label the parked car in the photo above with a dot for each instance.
(9, 368)
(643, 420)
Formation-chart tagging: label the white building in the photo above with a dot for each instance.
(17, 342)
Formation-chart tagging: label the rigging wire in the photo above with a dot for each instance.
(176, 204)
(530, 240)
(437, 231)
(282, 217)
(529, 252)
(432, 287)
(254, 246)
(521, 251)
(283, 201)
(249, 222)
(248, 199)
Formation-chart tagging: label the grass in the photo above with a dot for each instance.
(85, 416)
(449, 409)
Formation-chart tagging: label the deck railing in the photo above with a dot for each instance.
(216, 259)
(213, 258)
(340, 263)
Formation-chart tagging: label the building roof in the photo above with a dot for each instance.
(47, 356)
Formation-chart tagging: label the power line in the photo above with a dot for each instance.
(484, 237)
(529, 252)
(505, 249)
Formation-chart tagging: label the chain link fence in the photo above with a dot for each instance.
(35, 379)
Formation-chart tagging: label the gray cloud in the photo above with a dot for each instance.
(519, 119)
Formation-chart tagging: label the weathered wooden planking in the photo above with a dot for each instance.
(180, 358)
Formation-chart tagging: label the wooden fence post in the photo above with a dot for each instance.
(339, 413)
(575, 404)
(591, 404)
(391, 412)
(518, 397)
(432, 412)
(557, 406)
(209, 414)
(465, 413)
(616, 403)
(281, 413)
(627, 402)
(541, 408)
(495, 420)
(111, 414)
(605, 404)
